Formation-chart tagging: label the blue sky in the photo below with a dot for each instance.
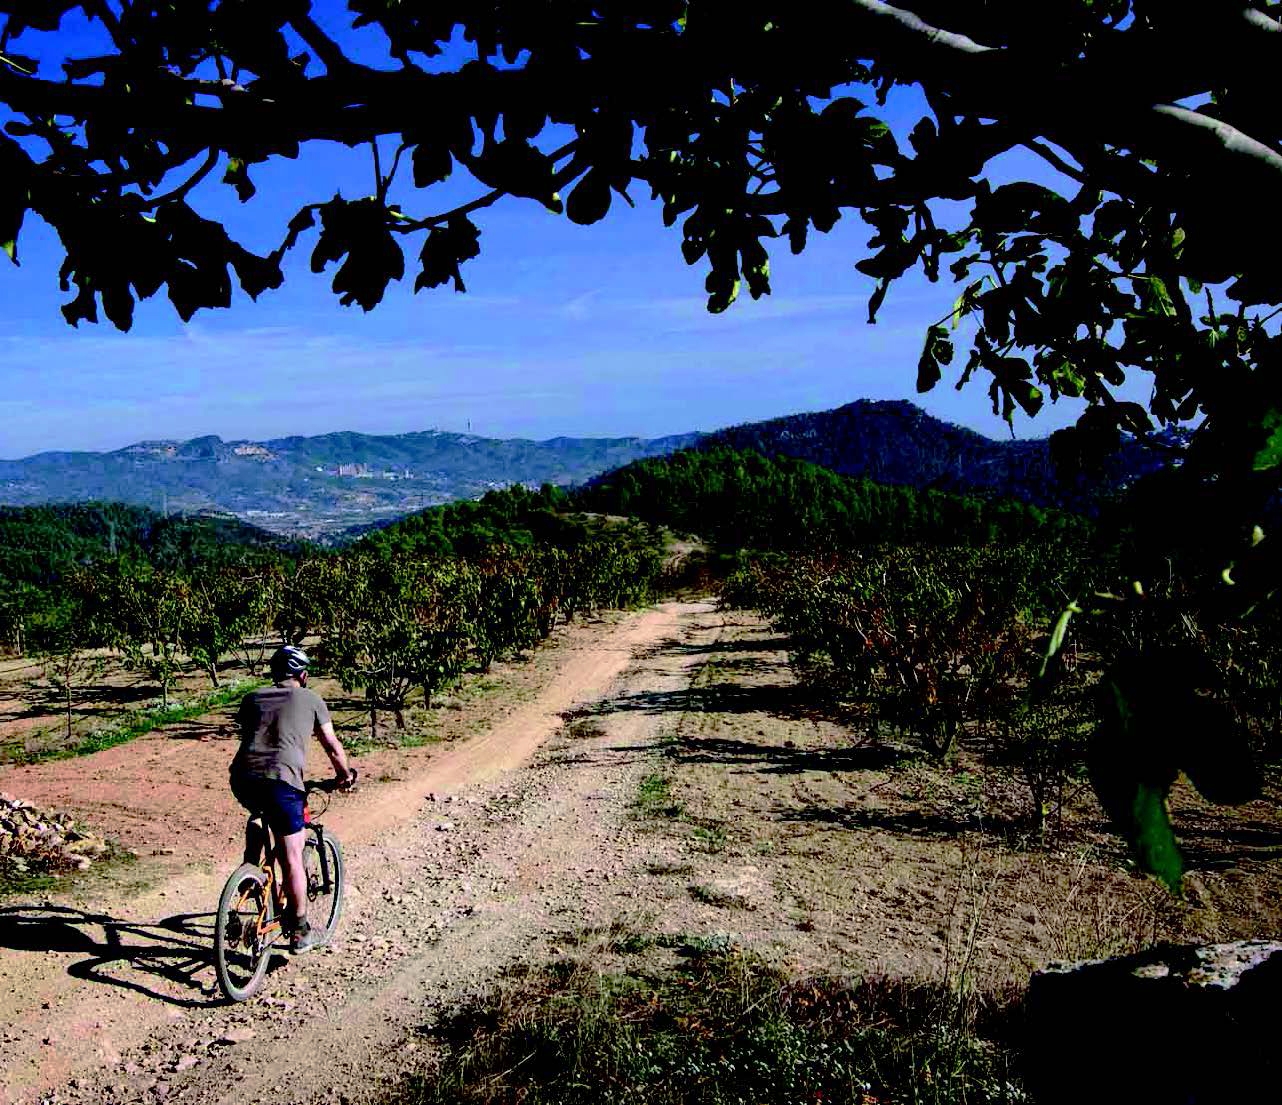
(597, 331)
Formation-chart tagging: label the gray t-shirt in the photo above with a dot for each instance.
(276, 725)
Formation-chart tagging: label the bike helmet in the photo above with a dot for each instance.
(289, 662)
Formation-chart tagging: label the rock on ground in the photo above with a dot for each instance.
(1182, 1025)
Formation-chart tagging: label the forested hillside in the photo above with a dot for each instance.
(741, 499)
(899, 443)
(39, 544)
(514, 516)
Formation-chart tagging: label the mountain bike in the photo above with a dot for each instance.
(252, 903)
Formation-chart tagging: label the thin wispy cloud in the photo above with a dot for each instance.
(580, 307)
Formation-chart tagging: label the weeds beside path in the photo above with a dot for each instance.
(720, 1029)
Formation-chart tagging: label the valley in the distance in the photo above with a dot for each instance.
(317, 487)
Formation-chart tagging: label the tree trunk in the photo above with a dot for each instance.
(952, 730)
(1039, 810)
(67, 684)
(373, 721)
(212, 670)
(943, 743)
(399, 717)
(427, 697)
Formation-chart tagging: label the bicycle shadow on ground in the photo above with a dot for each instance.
(139, 956)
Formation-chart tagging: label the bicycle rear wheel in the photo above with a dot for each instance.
(324, 881)
(241, 951)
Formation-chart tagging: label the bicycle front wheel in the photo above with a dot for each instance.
(323, 863)
(244, 933)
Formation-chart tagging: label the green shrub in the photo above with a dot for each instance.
(723, 1030)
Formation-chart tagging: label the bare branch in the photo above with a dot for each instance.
(487, 200)
(325, 48)
(1258, 21)
(903, 27)
(380, 186)
(1197, 131)
(1051, 157)
(206, 167)
(396, 164)
(1101, 101)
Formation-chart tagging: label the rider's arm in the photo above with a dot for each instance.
(333, 749)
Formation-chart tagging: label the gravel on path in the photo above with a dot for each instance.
(454, 875)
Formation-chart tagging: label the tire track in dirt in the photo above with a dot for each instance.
(109, 1010)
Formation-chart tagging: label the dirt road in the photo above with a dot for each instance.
(455, 869)
(699, 801)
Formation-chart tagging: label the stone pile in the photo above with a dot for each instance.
(36, 840)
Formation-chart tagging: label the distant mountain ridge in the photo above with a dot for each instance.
(896, 442)
(315, 486)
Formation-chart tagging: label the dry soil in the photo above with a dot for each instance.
(648, 775)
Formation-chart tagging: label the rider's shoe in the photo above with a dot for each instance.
(304, 938)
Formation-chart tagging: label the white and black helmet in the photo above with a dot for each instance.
(289, 662)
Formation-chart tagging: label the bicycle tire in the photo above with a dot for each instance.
(240, 963)
(329, 905)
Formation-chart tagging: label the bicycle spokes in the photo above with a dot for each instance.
(249, 916)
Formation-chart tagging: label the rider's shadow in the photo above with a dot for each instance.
(177, 949)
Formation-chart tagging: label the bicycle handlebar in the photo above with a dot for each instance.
(331, 785)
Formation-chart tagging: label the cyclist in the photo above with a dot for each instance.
(276, 724)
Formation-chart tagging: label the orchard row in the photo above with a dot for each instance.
(387, 625)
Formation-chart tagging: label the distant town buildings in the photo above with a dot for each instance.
(251, 449)
(365, 472)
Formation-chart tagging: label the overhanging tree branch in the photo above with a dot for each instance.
(744, 128)
(1196, 136)
(1120, 110)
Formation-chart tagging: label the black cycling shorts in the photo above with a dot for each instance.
(280, 805)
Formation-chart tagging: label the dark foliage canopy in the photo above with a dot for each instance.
(739, 499)
(514, 517)
(39, 546)
(754, 123)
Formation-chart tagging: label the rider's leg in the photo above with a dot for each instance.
(255, 840)
(293, 875)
